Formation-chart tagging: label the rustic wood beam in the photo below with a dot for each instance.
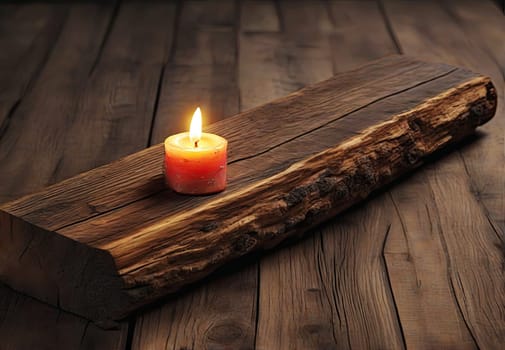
(113, 239)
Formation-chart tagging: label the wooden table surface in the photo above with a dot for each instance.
(420, 265)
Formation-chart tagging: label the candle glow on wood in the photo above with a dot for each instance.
(195, 162)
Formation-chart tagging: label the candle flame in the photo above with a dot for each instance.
(195, 129)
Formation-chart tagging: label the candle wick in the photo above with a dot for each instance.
(196, 143)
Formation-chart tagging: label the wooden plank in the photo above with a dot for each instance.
(27, 34)
(39, 72)
(484, 25)
(45, 208)
(418, 270)
(219, 313)
(259, 16)
(352, 42)
(435, 237)
(485, 158)
(117, 106)
(286, 279)
(152, 263)
(244, 168)
(416, 303)
(202, 70)
(323, 306)
(362, 316)
(303, 19)
(54, 94)
(49, 328)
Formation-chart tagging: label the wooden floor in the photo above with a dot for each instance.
(421, 265)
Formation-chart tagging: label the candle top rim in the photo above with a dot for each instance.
(207, 141)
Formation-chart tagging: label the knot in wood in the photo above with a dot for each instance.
(477, 110)
(326, 184)
(224, 333)
(209, 226)
(341, 191)
(491, 93)
(245, 242)
(292, 221)
(415, 124)
(366, 175)
(317, 210)
(413, 155)
(298, 194)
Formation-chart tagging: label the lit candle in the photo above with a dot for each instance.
(195, 162)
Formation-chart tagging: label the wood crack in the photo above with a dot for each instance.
(8, 118)
(476, 194)
(321, 253)
(83, 335)
(449, 272)
(270, 149)
(343, 116)
(389, 288)
(28, 244)
(177, 247)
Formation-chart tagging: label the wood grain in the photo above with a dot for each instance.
(50, 328)
(481, 163)
(40, 40)
(55, 93)
(358, 308)
(45, 208)
(288, 316)
(352, 44)
(418, 271)
(485, 158)
(27, 34)
(484, 25)
(391, 140)
(331, 288)
(299, 308)
(221, 312)
(118, 102)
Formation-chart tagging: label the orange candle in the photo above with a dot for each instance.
(195, 162)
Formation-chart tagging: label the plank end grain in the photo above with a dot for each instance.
(60, 271)
(330, 145)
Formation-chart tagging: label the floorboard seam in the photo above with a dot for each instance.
(390, 286)
(476, 194)
(105, 37)
(280, 17)
(257, 316)
(129, 336)
(389, 27)
(320, 254)
(175, 34)
(449, 270)
(83, 336)
(462, 27)
(53, 39)
(156, 105)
